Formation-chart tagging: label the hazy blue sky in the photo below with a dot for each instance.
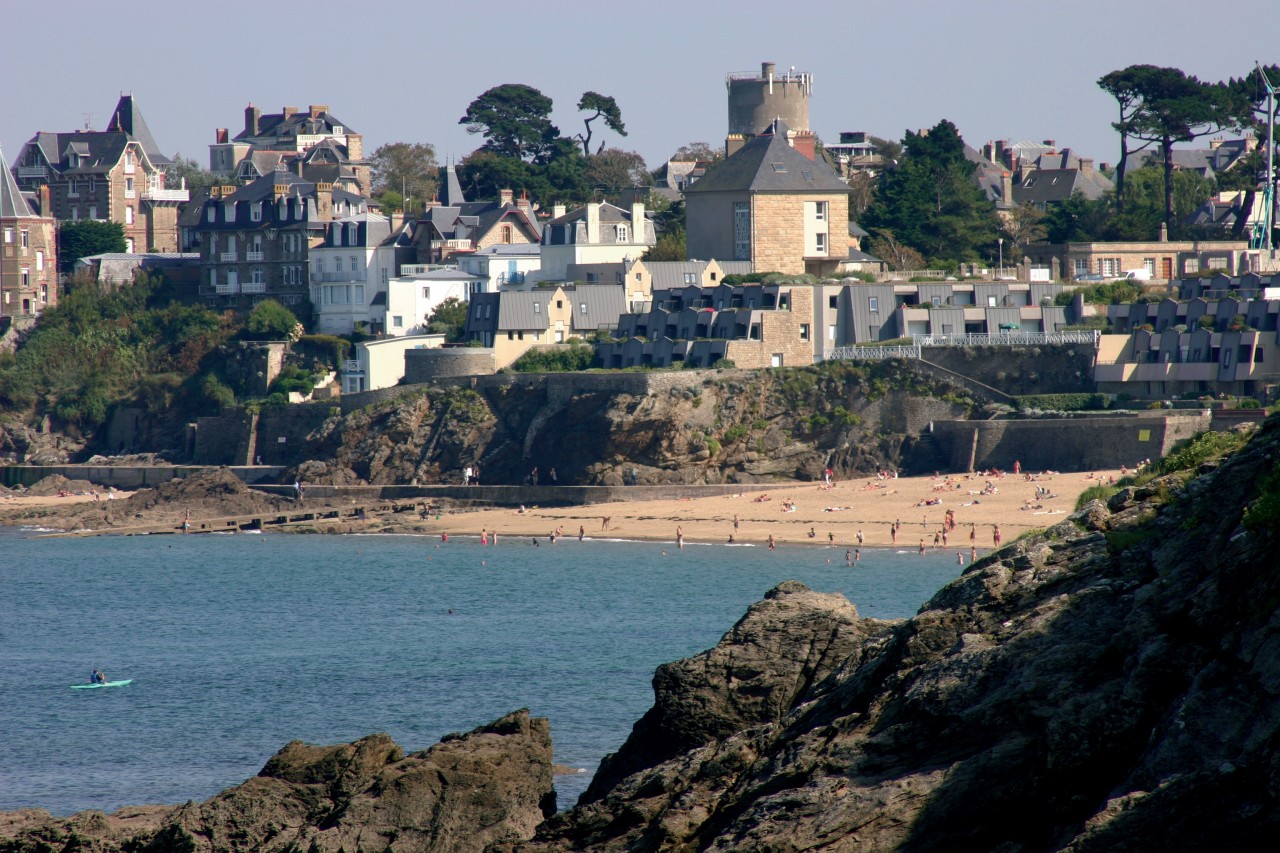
(405, 71)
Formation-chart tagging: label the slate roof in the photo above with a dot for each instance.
(301, 122)
(450, 188)
(604, 303)
(608, 213)
(13, 205)
(769, 164)
(1050, 186)
(128, 118)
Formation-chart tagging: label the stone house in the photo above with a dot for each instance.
(255, 241)
(1162, 260)
(314, 144)
(116, 175)
(28, 252)
(770, 204)
(452, 225)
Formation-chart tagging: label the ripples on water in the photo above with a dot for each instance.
(238, 644)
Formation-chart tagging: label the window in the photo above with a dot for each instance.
(741, 231)
(337, 264)
(804, 331)
(426, 291)
(511, 336)
(73, 187)
(537, 308)
(690, 278)
(128, 215)
(26, 237)
(621, 234)
(776, 361)
(1149, 264)
(833, 301)
(506, 234)
(93, 184)
(128, 187)
(26, 277)
(559, 303)
(257, 276)
(1192, 265)
(397, 321)
(255, 212)
(354, 267)
(212, 212)
(582, 308)
(937, 300)
(831, 332)
(820, 210)
(39, 260)
(873, 304)
(821, 244)
(1217, 263)
(991, 302)
(1081, 267)
(8, 235)
(639, 276)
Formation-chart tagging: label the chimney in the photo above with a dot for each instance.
(251, 116)
(806, 142)
(317, 110)
(1006, 189)
(525, 205)
(557, 210)
(1086, 164)
(46, 210)
(355, 146)
(593, 222)
(1051, 144)
(733, 143)
(397, 220)
(637, 222)
(1164, 232)
(287, 113)
(221, 136)
(324, 200)
(766, 70)
(506, 197)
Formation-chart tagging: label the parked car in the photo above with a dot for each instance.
(1091, 277)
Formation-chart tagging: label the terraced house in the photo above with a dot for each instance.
(28, 252)
(117, 174)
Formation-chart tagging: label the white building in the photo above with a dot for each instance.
(349, 271)
(414, 295)
(506, 266)
(595, 234)
(380, 364)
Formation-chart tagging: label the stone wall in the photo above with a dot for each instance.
(1065, 444)
(1048, 369)
(431, 365)
(127, 477)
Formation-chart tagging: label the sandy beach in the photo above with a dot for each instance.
(834, 515)
(793, 513)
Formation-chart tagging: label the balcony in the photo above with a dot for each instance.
(151, 194)
(226, 289)
(253, 287)
(347, 277)
(352, 365)
(227, 257)
(27, 172)
(253, 256)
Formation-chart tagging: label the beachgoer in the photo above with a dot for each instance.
(848, 557)
(735, 523)
(857, 555)
(533, 476)
(995, 534)
(495, 537)
(772, 544)
(959, 559)
(859, 538)
(893, 533)
(582, 532)
(973, 532)
(730, 539)
(973, 553)
(937, 539)
(922, 547)
(679, 536)
(1017, 467)
(536, 543)
(812, 533)
(551, 476)
(444, 537)
(466, 476)
(831, 538)
(484, 537)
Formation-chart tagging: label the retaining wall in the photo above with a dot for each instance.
(127, 477)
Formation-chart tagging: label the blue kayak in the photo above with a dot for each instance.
(107, 684)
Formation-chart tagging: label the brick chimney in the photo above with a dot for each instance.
(1006, 189)
(506, 197)
(806, 142)
(1086, 164)
(317, 110)
(288, 112)
(732, 143)
(46, 209)
(251, 117)
(221, 135)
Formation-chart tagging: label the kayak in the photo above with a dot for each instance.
(108, 684)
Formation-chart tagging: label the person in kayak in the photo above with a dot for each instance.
(99, 677)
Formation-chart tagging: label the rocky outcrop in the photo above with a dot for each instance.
(1110, 684)
(489, 786)
(785, 645)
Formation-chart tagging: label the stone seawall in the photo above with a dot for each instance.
(1046, 369)
(1065, 444)
(128, 477)
(515, 496)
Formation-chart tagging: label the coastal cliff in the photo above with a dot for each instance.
(1109, 683)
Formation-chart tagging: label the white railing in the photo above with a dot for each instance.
(150, 194)
(227, 257)
(253, 256)
(855, 353)
(1010, 338)
(352, 365)
(33, 172)
(253, 287)
(226, 289)
(353, 277)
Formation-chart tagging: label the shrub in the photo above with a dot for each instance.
(721, 363)
(566, 358)
(216, 393)
(329, 349)
(1063, 402)
(713, 446)
(735, 432)
(1100, 492)
(1199, 449)
(292, 378)
(270, 321)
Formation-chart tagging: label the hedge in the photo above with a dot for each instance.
(1063, 402)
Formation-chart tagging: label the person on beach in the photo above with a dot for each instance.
(973, 532)
(831, 539)
(772, 545)
(921, 547)
(995, 534)
(484, 536)
(859, 538)
(582, 532)
(735, 523)
(848, 557)
(812, 533)
(604, 522)
(551, 476)
(959, 559)
(444, 537)
(893, 533)
(679, 536)
(973, 553)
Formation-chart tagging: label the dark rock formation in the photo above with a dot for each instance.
(1110, 684)
(785, 644)
(491, 785)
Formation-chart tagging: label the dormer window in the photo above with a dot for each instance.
(621, 233)
(537, 308)
(255, 212)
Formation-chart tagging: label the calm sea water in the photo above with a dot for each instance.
(238, 644)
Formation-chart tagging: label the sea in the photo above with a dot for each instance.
(237, 644)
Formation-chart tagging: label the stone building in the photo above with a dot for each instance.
(28, 253)
(1160, 259)
(772, 205)
(597, 233)
(451, 225)
(511, 322)
(117, 174)
(255, 241)
(315, 145)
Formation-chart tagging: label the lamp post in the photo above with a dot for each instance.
(1000, 247)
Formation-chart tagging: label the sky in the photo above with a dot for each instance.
(403, 71)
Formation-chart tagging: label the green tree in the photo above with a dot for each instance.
(1024, 225)
(1147, 198)
(1244, 174)
(270, 321)
(1126, 86)
(449, 319)
(886, 246)
(600, 107)
(700, 152)
(930, 201)
(514, 119)
(1170, 106)
(81, 238)
(184, 171)
(668, 247)
(1077, 220)
(408, 169)
(612, 170)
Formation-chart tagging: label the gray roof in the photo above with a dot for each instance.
(13, 205)
(450, 187)
(128, 118)
(603, 302)
(1046, 186)
(769, 164)
(450, 274)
